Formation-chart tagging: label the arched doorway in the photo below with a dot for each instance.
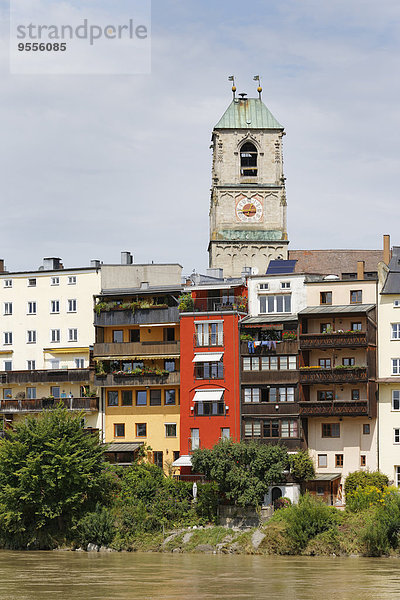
(275, 494)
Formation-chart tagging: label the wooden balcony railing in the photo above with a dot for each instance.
(285, 347)
(47, 376)
(110, 380)
(133, 349)
(343, 408)
(37, 405)
(115, 318)
(333, 340)
(350, 375)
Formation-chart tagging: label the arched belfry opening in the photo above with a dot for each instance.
(248, 160)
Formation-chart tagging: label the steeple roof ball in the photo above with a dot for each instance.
(247, 113)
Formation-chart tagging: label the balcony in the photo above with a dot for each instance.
(342, 408)
(271, 376)
(37, 405)
(46, 376)
(309, 341)
(218, 305)
(141, 316)
(340, 375)
(286, 347)
(112, 380)
(135, 349)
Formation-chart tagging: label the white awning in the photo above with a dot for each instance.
(208, 357)
(182, 461)
(208, 395)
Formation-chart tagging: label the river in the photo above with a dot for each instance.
(131, 576)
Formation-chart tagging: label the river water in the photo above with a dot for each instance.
(131, 576)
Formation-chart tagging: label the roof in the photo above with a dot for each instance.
(158, 289)
(392, 283)
(247, 113)
(326, 477)
(268, 319)
(283, 267)
(343, 309)
(123, 446)
(327, 262)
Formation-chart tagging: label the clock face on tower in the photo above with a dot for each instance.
(249, 210)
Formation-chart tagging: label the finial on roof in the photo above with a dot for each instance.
(259, 89)
(232, 78)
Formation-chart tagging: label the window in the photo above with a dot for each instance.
(252, 429)
(363, 460)
(248, 160)
(209, 334)
(366, 429)
(169, 334)
(395, 366)
(31, 308)
(118, 336)
(325, 363)
(170, 397)
(72, 280)
(194, 439)
(72, 335)
(55, 281)
(251, 395)
(264, 286)
(209, 409)
(8, 365)
(31, 282)
(396, 433)
(72, 305)
(397, 476)
(338, 460)
(396, 303)
(158, 459)
(141, 398)
(322, 460)
(112, 398)
(356, 326)
(8, 308)
(289, 428)
(325, 298)
(286, 394)
(31, 337)
(54, 306)
(355, 394)
(55, 364)
(8, 283)
(271, 428)
(225, 433)
(8, 337)
(176, 454)
(331, 430)
(395, 331)
(126, 398)
(31, 365)
(396, 400)
(325, 327)
(155, 397)
(55, 391)
(119, 429)
(356, 297)
(170, 429)
(325, 395)
(276, 304)
(141, 429)
(348, 362)
(209, 370)
(7, 393)
(134, 335)
(79, 363)
(169, 365)
(287, 362)
(285, 285)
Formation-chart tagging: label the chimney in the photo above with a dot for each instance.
(1, 265)
(386, 249)
(126, 258)
(360, 269)
(95, 263)
(215, 273)
(52, 264)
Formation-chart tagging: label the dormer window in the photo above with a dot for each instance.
(248, 160)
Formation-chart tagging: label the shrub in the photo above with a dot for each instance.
(186, 303)
(363, 498)
(301, 466)
(96, 528)
(363, 479)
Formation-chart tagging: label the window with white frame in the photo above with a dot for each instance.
(8, 308)
(170, 430)
(72, 280)
(79, 363)
(210, 333)
(8, 365)
(31, 307)
(72, 305)
(395, 366)
(395, 331)
(55, 335)
(251, 395)
(397, 476)
(396, 303)
(55, 281)
(31, 393)
(395, 399)
(396, 435)
(55, 364)
(31, 365)
(32, 282)
(31, 336)
(264, 286)
(72, 335)
(285, 285)
(54, 306)
(8, 338)
(8, 283)
(281, 303)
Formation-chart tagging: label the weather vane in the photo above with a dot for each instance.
(232, 78)
(259, 89)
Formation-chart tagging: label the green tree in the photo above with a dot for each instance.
(243, 471)
(301, 466)
(51, 474)
(363, 479)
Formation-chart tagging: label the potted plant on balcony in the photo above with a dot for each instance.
(186, 303)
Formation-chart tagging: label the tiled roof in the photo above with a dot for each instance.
(334, 262)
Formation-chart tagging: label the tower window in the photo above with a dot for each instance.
(248, 160)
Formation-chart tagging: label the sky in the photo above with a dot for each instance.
(92, 165)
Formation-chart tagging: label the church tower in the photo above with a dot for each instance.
(248, 200)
